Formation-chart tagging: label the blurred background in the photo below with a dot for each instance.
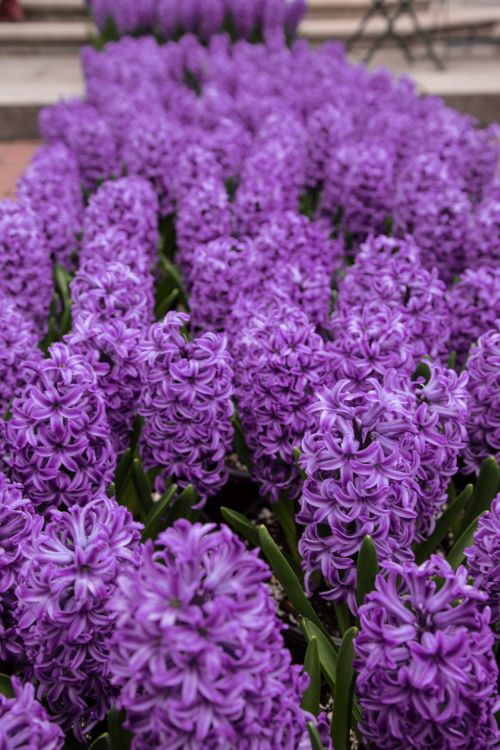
(451, 48)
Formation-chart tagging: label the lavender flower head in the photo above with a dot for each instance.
(369, 340)
(474, 304)
(426, 670)
(18, 524)
(58, 439)
(186, 402)
(112, 292)
(25, 267)
(24, 724)
(483, 424)
(197, 653)
(65, 619)
(390, 271)
(114, 245)
(110, 346)
(280, 361)
(360, 462)
(50, 187)
(483, 560)
(129, 204)
(18, 343)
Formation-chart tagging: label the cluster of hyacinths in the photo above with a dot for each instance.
(332, 230)
(197, 652)
(361, 460)
(18, 526)
(427, 675)
(244, 20)
(24, 722)
(483, 559)
(186, 403)
(64, 619)
(57, 441)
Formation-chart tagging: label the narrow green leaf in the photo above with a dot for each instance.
(239, 442)
(6, 686)
(312, 696)
(101, 743)
(163, 307)
(456, 555)
(452, 360)
(62, 279)
(367, 569)
(183, 506)
(425, 549)
(485, 490)
(137, 426)
(242, 525)
(142, 485)
(284, 510)
(171, 273)
(316, 743)
(328, 654)
(296, 457)
(155, 521)
(111, 492)
(343, 614)
(120, 738)
(344, 693)
(422, 370)
(288, 579)
(123, 468)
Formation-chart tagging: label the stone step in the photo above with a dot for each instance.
(54, 10)
(44, 36)
(350, 8)
(456, 21)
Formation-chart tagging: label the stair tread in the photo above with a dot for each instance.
(53, 31)
(459, 18)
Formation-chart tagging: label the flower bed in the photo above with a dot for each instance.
(250, 283)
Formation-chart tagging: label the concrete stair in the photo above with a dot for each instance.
(54, 10)
(323, 23)
(349, 8)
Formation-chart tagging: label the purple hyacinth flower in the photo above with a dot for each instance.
(18, 525)
(483, 423)
(64, 615)
(197, 653)
(18, 344)
(361, 461)
(24, 724)
(427, 675)
(25, 267)
(483, 560)
(186, 403)
(58, 438)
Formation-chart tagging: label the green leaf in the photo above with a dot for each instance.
(288, 579)
(155, 520)
(239, 442)
(343, 615)
(367, 569)
(183, 506)
(123, 469)
(241, 524)
(344, 693)
(296, 457)
(101, 743)
(62, 279)
(6, 686)
(486, 489)
(111, 491)
(312, 696)
(328, 654)
(142, 485)
(457, 553)
(284, 510)
(120, 738)
(316, 743)
(167, 303)
(173, 278)
(136, 432)
(422, 370)
(424, 550)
